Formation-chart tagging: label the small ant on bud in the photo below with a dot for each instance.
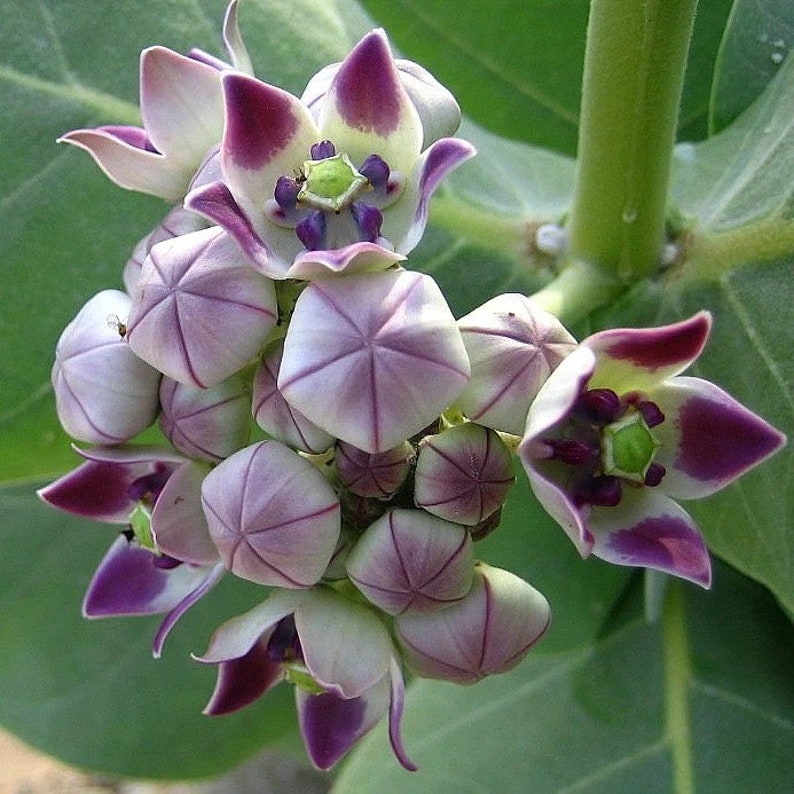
(115, 322)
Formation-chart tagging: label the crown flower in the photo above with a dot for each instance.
(345, 193)
(616, 435)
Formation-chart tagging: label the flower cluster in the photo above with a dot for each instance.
(330, 430)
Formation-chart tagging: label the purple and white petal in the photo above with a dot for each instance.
(708, 439)
(272, 515)
(437, 108)
(215, 202)
(638, 359)
(178, 523)
(649, 529)
(102, 491)
(331, 725)
(277, 417)
(404, 223)
(547, 477)
(385, 345)
(182, 107)
(243, 680)
(463, 474)
(355, 258)
(104, 393)
(268, 134)
(346, 647)
(488, 632)
(236, 637)
(513, 347)
(200, 312)
(129, 166)
(396, 708)
(129, 581)
(213, 575)
(367, 110)
(411, 562)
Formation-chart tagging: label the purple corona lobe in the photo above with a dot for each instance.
(368, 88)
(259, 121)
(721, 440)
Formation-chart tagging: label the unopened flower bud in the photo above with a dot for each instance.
(410, 562)
(373, 474)
(463, 474)
(277, 417)
(490, 631)
(513, 347)
(104, 393)
(272, 515)
(208, 424)
(200, 312)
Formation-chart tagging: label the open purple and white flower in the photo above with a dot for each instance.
(337, 653)
(343, 194)
(182, 109)
(615, 436)
(384, 345)
(164, 562)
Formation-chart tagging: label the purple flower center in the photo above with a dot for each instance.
(148, 487)
(284, 646)
(607, 444)
(330, 185)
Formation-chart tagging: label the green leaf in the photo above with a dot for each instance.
(516, 67)
(737, 185)
(757, 39)
(702, 701)
(90, 692)
(67, 231)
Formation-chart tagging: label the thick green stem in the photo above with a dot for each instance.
(634, 73)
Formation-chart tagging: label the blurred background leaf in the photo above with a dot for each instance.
(757, 39)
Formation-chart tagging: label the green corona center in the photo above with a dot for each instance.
(628, 448)
(141, 524)
(299, 676)
(331, 184)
